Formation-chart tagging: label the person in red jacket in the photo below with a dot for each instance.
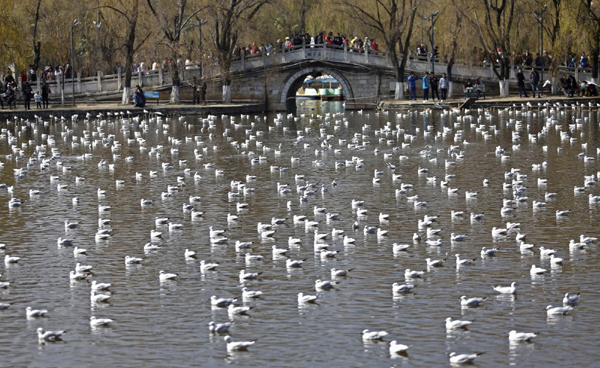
(374, 45)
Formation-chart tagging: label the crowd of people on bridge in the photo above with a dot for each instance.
(331, 40)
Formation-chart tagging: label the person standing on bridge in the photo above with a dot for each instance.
(534, 79)
(433, 84)
(443, 87)
(412, 86)
(426, 87)
(521, 83)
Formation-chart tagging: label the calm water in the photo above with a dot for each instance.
(165, 324)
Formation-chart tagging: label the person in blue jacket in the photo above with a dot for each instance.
(412, 86)
(426, 87)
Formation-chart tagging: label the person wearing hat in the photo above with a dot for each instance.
(521, 82)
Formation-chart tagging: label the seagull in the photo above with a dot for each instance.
(488, 252)
(536, 270)
(219, 327)
(571, 299)
(132, 260)
(462, 262)
(189, 254)
(205, 266)
(512, 289)
(237, 345)
(99, 322)
(245, 275)
(456, 324)
(471, 302)
(373, 335)
(249, 294)
(32, 313)
(11, 259)
(325, 285)
(98, 298)
(402, 288)
(96, 286)
(49, 335)
(339, 273)
(79, 268)
(396, 348)
(233, 310)
(164, 276)
(74, 276)
(305, 299)
(410, 274)
(221, 302)
(514, 336)
(456, 358)
(555, 311)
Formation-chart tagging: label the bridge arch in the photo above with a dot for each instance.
(294, 81)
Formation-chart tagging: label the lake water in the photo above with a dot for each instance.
(165, 324)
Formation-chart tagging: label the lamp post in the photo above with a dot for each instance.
(73, 25)
(432, 17)
(539, 17)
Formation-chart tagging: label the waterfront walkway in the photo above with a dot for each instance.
(166, 109)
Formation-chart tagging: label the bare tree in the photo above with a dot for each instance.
(172, 22)
(131, 16)
(394, 21)
(227, 16)
(494, 30)
(594, 30)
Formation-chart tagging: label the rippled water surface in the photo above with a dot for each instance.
(165, 324)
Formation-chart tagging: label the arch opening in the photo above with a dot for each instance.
(296, 81)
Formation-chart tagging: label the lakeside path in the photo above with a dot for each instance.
(97, 108)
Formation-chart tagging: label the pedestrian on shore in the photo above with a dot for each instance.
(38, 99)
(412, 86)
(444, 87)
(10, 96)
(479, 87)
(521, 83)
(138, 97)
(27, 95)
(426, 87)
(433, 84)
(45, 93)
(534, 79)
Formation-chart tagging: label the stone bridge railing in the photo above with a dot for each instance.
(112, 84)
(367, 57)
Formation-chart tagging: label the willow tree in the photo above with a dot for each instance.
(12, 49)
(394, 21)
(228, 16)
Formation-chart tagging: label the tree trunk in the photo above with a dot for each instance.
(595, 51)
(175, 94)
(126, 94)
(504, 91)
(226, 91)
(130, 49)
(399, 92)
(176, 83)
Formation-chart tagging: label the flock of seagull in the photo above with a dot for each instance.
(300, 195)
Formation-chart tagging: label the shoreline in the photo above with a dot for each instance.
(165, 109)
